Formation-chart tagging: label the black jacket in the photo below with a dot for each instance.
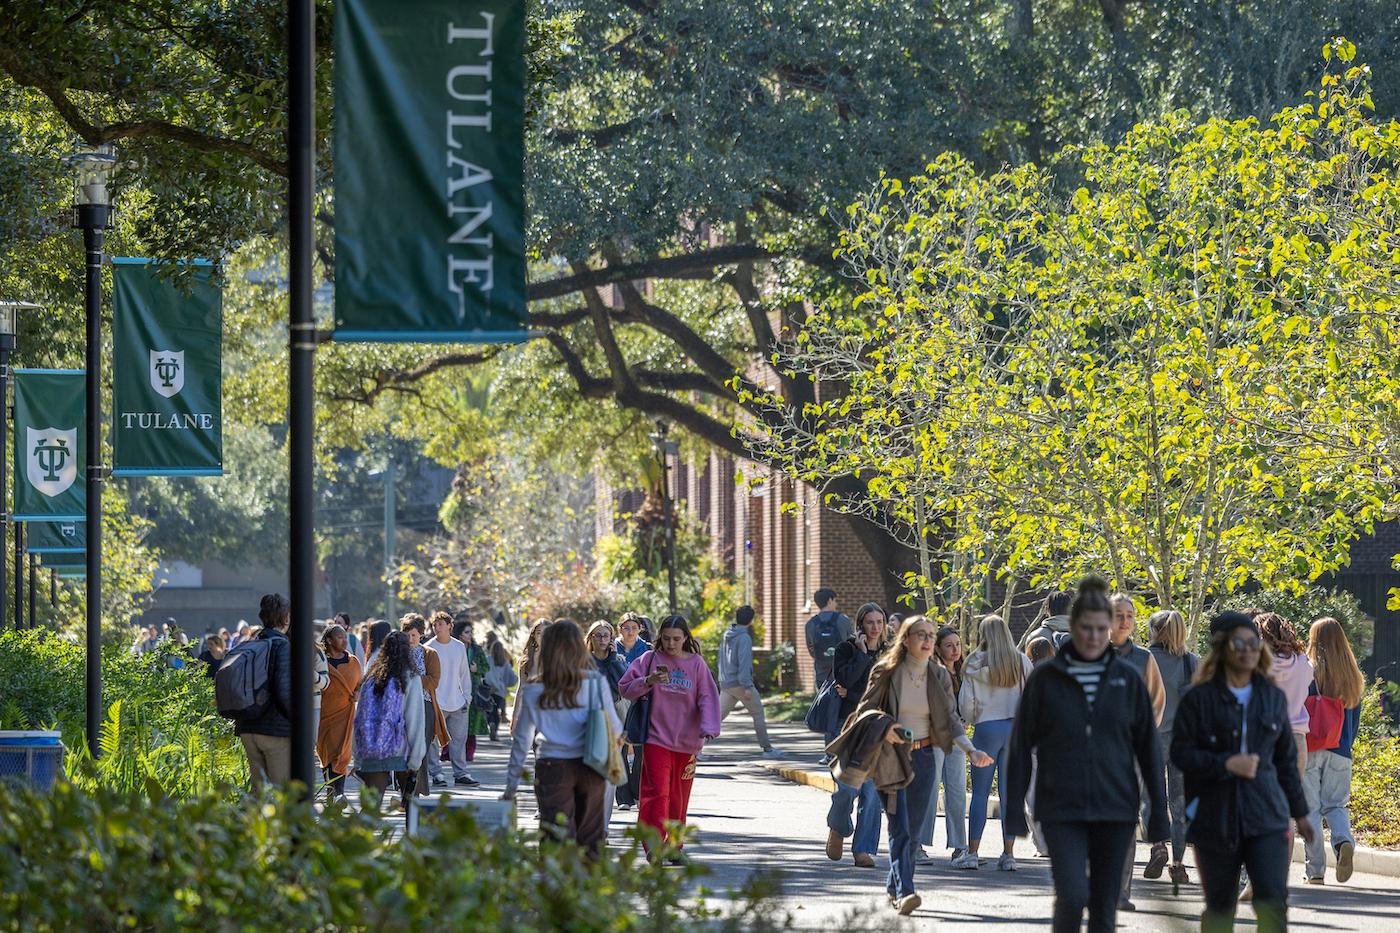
(850, 667)
(277, 718)
(1207, 732)
(1086, 758)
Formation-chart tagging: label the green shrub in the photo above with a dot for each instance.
(772, 672)
(161, 734)
(70, 860)
(1306, 607)
(1375, 775)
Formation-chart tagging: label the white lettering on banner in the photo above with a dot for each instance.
(470, 84)
(159, 421)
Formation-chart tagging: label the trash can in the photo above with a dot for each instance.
(31, 757)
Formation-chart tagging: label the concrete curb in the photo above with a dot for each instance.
(1367, 860)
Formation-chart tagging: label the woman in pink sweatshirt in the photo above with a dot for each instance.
(684, 715)
(1292, 673)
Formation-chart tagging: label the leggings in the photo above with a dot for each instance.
(993, 737)
(1267, 859)
(1086, 863)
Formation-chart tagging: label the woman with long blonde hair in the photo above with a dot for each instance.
(1177, 667)
(991, 690)
(1327, 778)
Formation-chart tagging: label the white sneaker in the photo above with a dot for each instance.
(1007, 862)
(774, 754)
(966, 861)
(921, 857)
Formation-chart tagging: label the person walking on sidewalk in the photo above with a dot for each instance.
(611, 666)
(950, 769)
(684, 716)
(454, 690)
(736, 677)
(334, 737)
(1142, 661)
(500, 678)
(1234, 744)
(917, 693)
(555, 706)
(429, 667)
(390, 720)
(1327, 779)
(853, 661)
(267, 738)
(823, 632)
(478, 664)
(1056, 625)
(991, 690)
(1086, 720)
(1177, 667)
(630, 643)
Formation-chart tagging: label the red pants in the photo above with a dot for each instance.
(665, 791)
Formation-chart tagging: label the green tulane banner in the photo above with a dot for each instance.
(50, 450)
(429, 170)
(167, 405)
(55, 538)
(64, 563)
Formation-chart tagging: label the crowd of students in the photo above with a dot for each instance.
(1098, 738)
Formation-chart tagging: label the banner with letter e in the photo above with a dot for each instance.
(429, 171)
(167, 379)
(55, 538)
(50, 449)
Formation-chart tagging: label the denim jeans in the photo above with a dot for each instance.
(867, 825)
(1176, 798)
(992, 736)
(1327, 785)
(910, 804)
(951, 773)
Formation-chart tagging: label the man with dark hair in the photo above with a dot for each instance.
(736, 677)
(824, 631)
(267, 738)
(1055, 629)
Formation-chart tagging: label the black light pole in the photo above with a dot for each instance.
(9, 325)
(301, 128)
(19, 575)
(31, 590)
(53, 588)
(663, 450)
(94, 212)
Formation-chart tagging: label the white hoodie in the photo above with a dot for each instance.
(1292, 674)
(980, 700)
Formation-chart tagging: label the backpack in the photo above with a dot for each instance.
(828, 634)
(242, 684)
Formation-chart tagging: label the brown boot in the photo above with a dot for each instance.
(864, 860)
(835, 845)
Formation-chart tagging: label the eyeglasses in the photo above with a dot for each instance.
(922, 635)
(1246, 644)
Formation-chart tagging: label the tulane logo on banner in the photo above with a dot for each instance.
(53, 459)
(429, 170)
(167, 371)
(55, 538)
(167, 419)
(49, 453)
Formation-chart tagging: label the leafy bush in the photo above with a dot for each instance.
(71, 860)
(777, 665)
(162, 734)
(1375, 777)
(1307, 606)
(637, 573)
(577, 595)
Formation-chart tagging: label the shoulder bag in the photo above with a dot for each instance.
(638, 723)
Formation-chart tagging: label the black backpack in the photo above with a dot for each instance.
(242, 684)
(828, 634)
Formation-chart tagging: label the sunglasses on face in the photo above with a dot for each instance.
(1246, 644)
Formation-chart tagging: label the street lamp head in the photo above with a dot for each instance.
(9, 315)
(93, 169)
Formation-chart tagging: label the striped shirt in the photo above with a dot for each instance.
(1087, 673)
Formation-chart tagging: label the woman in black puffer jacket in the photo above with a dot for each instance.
(1234, 745)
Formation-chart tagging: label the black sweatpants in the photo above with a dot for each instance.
(1266, 857)
(1086, 863)
(570, 799)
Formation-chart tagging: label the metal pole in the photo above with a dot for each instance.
(53, 587)
(93, 218)
(670, 527)
(19, 571)
(4, 475)
(301, 117)
(390, 524)
(31, 590)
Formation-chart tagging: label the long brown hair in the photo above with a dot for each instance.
(531, 652)
(1214, 664)
(690, 644)
(885, 635)
(392, 660)
(562, 661)
(1334, 663)
(1279, 635)
(957, 669)
(896, 653)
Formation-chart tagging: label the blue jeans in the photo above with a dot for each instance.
(992, 736)
(950, 770)
(1327, 786)
(1176, 798)
(867, 826)
(910, 804)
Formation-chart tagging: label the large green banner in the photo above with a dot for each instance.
(429, 170)
(54, 538)
(64, 563)
(167, 406)
(50, 449)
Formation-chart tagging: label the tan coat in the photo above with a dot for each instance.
(433, 667)
(944, 724)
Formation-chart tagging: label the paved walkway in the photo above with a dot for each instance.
(750, 819)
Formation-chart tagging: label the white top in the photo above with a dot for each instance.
(1242, 694)
(561, 731)
(454, 689)
(980, 700)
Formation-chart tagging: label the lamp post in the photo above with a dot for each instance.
(93, 215)
(664, 448)
(9, 327)
(390, 523)
(19, 575)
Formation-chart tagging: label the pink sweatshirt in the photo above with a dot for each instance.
(681, 711)
(1292, 674)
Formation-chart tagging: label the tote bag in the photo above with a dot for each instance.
(600, 745)
(638, 723)
(1325, 715)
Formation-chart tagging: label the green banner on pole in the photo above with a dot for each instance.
(50, 451)
(167, 381)
(52, 538)
(429, 170)
(64, 563)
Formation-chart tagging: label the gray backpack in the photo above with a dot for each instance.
(242, 687)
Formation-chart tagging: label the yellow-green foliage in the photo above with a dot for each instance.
(1375, 775)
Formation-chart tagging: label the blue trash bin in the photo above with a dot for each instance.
(33, 757)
